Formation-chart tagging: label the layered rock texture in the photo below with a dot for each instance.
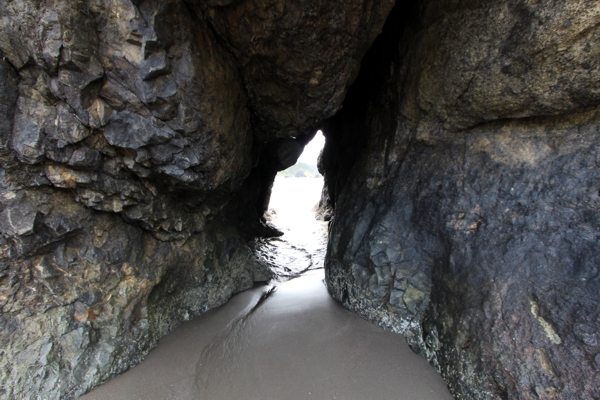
(139, 141)
(464, 169)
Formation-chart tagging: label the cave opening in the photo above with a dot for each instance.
(296, 191)
(295, 211)
(139, 160)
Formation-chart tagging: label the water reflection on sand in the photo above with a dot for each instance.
(285, 340)
(291, 210)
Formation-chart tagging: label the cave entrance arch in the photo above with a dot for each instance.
(293, 209)
(297, 191)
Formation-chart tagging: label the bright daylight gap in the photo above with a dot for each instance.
(297, 191)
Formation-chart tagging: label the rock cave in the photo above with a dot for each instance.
(139, 141)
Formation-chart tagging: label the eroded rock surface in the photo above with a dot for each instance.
(137, 143)
(470, 219)
(297, 57)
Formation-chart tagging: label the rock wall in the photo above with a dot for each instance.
(138, 144)
(464, 170)
(139, 141)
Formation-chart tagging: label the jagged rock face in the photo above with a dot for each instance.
(138, 144)
(297, 58)
(86, 295)
(470, 219)
(141, 138)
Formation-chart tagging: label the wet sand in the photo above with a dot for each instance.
(292, 343)
(296, 344)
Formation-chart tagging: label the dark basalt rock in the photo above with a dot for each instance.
(297, 58)
(469, 220)
(138, 142)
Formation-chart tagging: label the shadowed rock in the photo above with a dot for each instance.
(137, 150)
(465, 193)
(139, 141)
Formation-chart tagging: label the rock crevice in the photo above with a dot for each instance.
(138, 145)
(139, 141)
(467, 216)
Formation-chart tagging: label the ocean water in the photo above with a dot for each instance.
(293, 202)
(292, 210)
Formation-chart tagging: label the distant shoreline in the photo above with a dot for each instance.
(301, 170)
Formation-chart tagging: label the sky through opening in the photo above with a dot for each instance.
(312, 149)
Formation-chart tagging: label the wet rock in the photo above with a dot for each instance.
(132, 131)
(297, 59)
(468, 220)
(287, 153)
(141, 140)
(104, 291)
(138, 150)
